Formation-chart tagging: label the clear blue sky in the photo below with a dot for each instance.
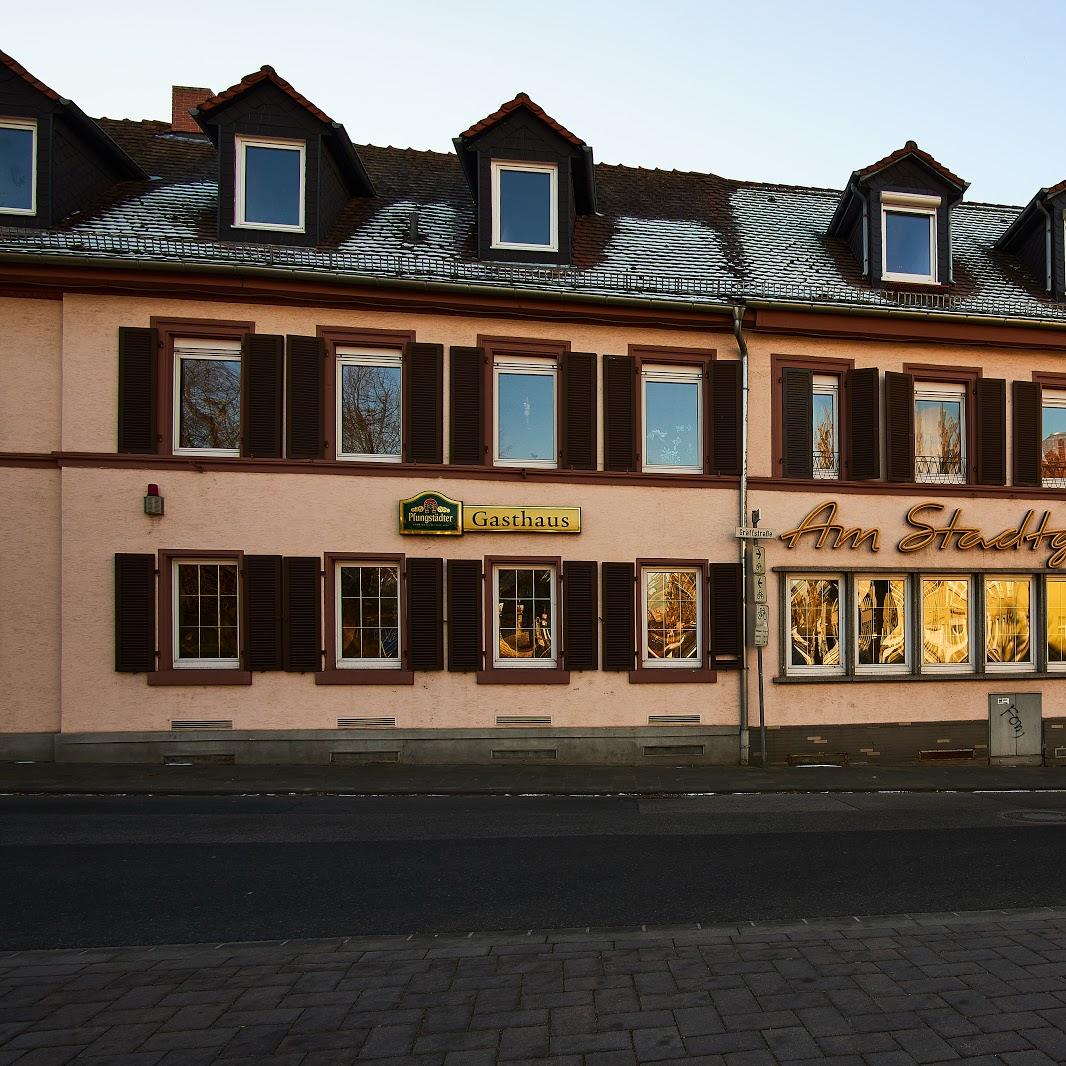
(801, 93)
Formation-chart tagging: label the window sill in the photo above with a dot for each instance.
(365, 677)
(880, 679)
(669, 675)
(200, 677)
(519, 676)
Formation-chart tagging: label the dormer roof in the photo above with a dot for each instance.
(265, 73)
(911, 149)
(521, 100)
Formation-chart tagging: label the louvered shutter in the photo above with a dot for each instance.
(990, 399)
(797, 422)
(727, 605)
(724, 434)
(619, 637)
(899, 426)
(304, 409)
(1026, 417)
(577, 384)
(423, 394)
(262, 612)
(863, 417)
(465, 596)
(580, 611)
(302, 614)
(262, 395)
(619, 397)
(134, 613)
(466, 387)
(425, 614)
(138, 362)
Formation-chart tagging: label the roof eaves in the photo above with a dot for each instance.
(522, 100)
(1014, 230)
(16, 67)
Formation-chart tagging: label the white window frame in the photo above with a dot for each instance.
(1009, 668)
(646, 661)
(681, 375)
(951, 393)
(178, 661)
(910, 204)
(497, 167)
(908, 617)
(970, 666)
(500, 663)
(829, 385)
(842, 606)
(200, 348)
(1055, 398)
(241, 144)
(31, 125)
(362, 663)
(392, 358)
(533, 366)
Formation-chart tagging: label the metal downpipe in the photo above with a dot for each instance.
(742, 520)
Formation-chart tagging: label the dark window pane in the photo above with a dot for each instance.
(16, 169)
(189, 611)
(272, 186)
(210, 403)
(350, 643)
(227, 580)
(671, 415)
(209, 644)
(907, 243)
(227, 642)
(349, 580)
(369, 581)
(370, 410)
(188, 646)
(525, 207)
(188, 580)
(390, 643)
(209, 611)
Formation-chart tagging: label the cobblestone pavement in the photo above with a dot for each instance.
(984, 987)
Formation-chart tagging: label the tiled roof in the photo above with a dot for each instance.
(522, 100)
(17, 68)
(264, 73)
(663, 235)
(911, 148)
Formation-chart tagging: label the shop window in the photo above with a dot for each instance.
(1056, 623)
(524, 624)
(946, 624)
(672, 405)
(207, 396)
(1008, 622)
(881, 625)
(940, 433)
(525, 413)
(525, 213)
(825, 408)
(368, 615)
(1053, 438)
(814, 644)
(672, 618)
(206, 615)
(18, 166)
(270, 184)
(908, 232)
(369, 423)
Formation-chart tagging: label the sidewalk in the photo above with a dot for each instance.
(98, 778)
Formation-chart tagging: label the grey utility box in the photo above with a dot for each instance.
(1015, 728)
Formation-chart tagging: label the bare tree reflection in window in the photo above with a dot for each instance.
(210, 404)
(370, 409)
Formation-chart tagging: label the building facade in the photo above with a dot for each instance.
(321, 452)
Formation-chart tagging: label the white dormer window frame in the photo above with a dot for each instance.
(241, 144)
(498, 167)
(910, 204)
(29, 125)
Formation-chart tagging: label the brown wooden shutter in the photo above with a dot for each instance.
(305, 364)
(862, 389)
(727, 605)
(466, 387)
(1026, 418)
(425, 614)
(134, 613)
(262, 612)
(423, 395)
(619, 422)
(465, 596)
(797, 422)
(899, 426)
(577, 387)
(262, 395)
(619, 637)
(302, 614)
(580, 612)
(138, 362)
(724, 427)
(990, 399)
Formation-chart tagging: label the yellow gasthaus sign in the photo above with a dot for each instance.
(493, 518)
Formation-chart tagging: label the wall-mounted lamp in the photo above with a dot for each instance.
(153, 502)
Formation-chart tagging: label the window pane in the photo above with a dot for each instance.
(526, 416)
(272, 186)
(210, 403)
(907, 243)
(369, 613)
(1056, 620)
(525, 623)
(16, 169)
(1007, 620)
(1053, 447)
(207, 611)
(672, 419)
(938, 450)
(525, 207)
(825, 434)
(673, 614)
(946, 621)
(815, 621)
(370, 410)
(882, 636)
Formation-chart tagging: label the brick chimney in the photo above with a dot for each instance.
(184, 97)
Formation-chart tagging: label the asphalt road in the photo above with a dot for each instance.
(95, 871)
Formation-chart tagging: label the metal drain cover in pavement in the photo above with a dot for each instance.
(1035, 817)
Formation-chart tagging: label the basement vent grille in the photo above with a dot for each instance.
(673, 751)
(819, 758)
(200, 759)
(523, 719)
(673, 719)
(179, 725)
(937, 754)
(361, 758)
(366, 723)
(1060, 753)
(525, 754)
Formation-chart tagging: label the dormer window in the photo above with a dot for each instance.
(270, 184)
(18, 166)
(908, 225)
(525, 206)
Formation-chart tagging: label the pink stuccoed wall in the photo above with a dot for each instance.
(31, 333)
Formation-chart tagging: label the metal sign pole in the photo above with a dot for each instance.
(762, 711)
(759, 631)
